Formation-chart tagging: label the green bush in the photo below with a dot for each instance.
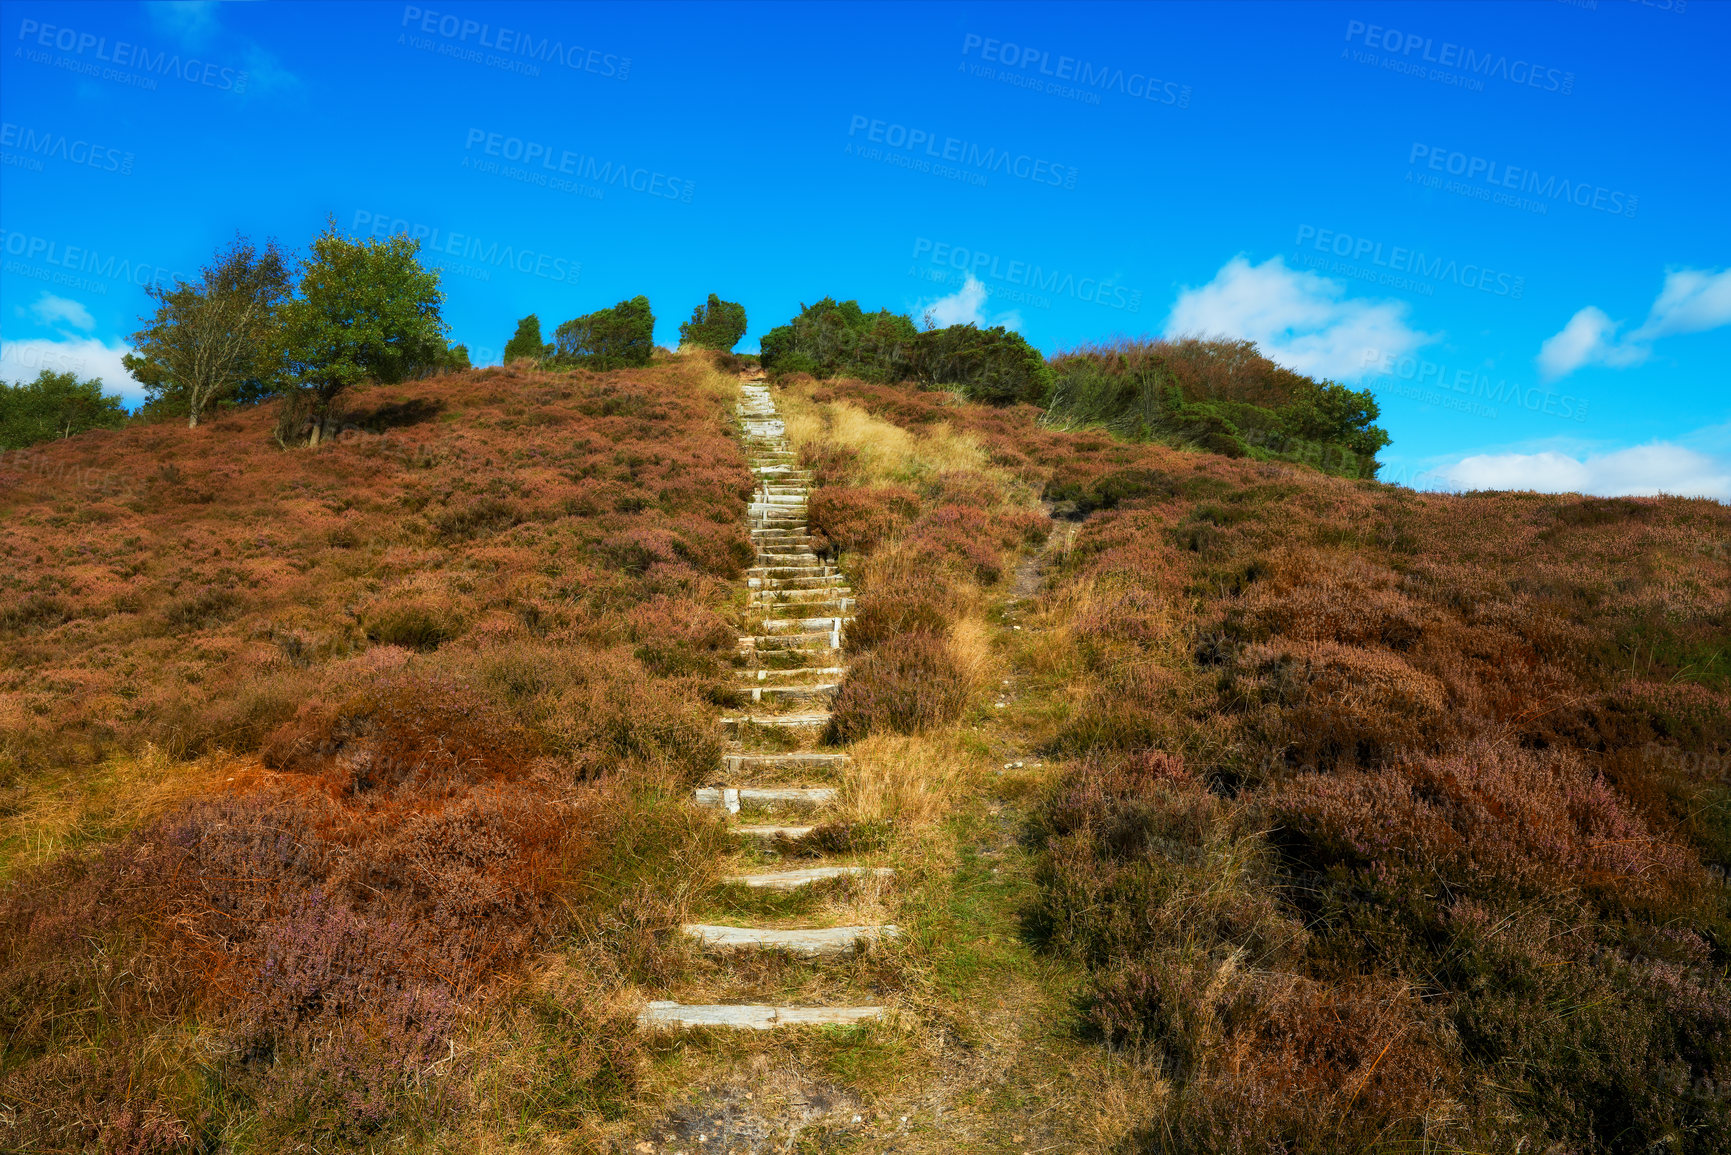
(830, 338)
(616, 338)
(1222, 396)
(55, 405)
(717, 325)
(993, 365)
(526, 341)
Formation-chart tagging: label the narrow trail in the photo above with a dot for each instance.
(773, 785)
(810, 1035)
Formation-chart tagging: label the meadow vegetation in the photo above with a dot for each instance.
(1366, 831)
(311, 757)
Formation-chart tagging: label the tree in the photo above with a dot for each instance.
(525, 343)
(367, 310)
(214, 339)
(608, 338)
(55, 405)
(718, 325)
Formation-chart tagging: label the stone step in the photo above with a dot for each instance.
(833, 598)
(817, 942)
(825, 624)
(793, 693)
(789, 676)
(787, 721)
(730, 799)
(791, 572)
(776, 554)
(801, 760)
(769, 832)
(753, 1016)
(815, 641)
(794, 879)
(772, 589)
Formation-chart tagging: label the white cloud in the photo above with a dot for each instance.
(966, 306)
(1691, 301)
(1299, 319)
(193, 22)
(1639, 471)
(1590, 337)
(85, 356)
(52, 310)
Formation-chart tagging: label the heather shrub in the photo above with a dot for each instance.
(907, 686)
(1321, 704)
(857, 518)
(893, 613)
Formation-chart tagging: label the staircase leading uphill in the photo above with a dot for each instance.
(773, 786)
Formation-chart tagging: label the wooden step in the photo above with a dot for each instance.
(751, 1016)
(794, 879)
(815, 942)
(730, 799)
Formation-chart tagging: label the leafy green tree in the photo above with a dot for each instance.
(833, 337)
(718, 324)
(608, 338)
(993, 365)
(214, 340)
(367, 311)
(55, 405)
(526, 343)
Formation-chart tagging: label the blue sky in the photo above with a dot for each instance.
(1508, 220)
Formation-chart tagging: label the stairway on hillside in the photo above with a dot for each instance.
(773, 784)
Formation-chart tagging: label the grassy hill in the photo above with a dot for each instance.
(1240, 807)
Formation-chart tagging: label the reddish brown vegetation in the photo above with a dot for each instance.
(434, 636)
(1442, 864)
(907, 686)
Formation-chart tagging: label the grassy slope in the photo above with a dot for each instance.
(1059, 886)
(1384, 817)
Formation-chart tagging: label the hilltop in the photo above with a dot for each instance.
(1232, 803)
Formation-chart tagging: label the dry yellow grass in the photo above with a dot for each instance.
(886, 452)
(62, 812)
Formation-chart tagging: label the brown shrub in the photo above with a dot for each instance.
(906, 686)
(1490, 820)
(1323, 704)
(857, 518)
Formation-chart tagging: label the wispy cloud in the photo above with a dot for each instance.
(1691, 301)
(1299, 319)
(52, 310)
(1637, 471)
(86, 357)
(966, 306)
